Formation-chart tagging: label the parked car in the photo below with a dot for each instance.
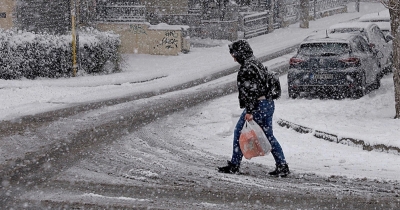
(382, 19)
(374, 36)
(333, 65)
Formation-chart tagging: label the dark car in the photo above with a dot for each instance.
(333, 65)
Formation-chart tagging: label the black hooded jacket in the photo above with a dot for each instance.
(249, 81)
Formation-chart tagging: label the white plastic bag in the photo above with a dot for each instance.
(252, 141)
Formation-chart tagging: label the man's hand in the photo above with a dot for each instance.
(248, 117)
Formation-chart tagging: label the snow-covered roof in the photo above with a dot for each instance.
(355, 25)
(350, 27)
(164, 26)
(382, 16)
(328, 38)
(384, 26)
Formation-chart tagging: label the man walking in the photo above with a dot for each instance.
(258, 106)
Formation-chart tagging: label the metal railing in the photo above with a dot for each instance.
(321, 5)
(255, 24)
(292, 11)
(121, 12)
(258, 23)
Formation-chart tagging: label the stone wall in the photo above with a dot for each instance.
(143, 38)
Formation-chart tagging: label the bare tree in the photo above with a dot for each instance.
(394, 10)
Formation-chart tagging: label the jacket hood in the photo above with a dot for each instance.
(241, 50)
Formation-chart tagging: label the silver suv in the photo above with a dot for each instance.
(375, 38)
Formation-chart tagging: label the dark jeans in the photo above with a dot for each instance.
(263, 117)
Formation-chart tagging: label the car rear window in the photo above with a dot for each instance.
(345, 30)
(324, 49)
(380, 20)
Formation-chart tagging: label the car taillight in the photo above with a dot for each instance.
(354, 61)
(295, 61)
(371, 45)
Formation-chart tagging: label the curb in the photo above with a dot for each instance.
(339, 140)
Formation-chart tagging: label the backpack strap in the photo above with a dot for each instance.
(271, 84)
(264, 79)
(261, 74)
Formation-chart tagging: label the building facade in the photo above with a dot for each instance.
(6, 13)
(44, 16)
(142, 26)
(167, 7)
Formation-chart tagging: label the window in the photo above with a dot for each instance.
(324, 49)
(378, 33)
(361, 45)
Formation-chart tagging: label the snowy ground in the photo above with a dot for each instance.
(210, 126)
(369, 118)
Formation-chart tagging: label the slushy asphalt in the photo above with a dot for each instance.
(41, 119)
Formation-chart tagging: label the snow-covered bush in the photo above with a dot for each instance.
(30, 55)
(99, 51)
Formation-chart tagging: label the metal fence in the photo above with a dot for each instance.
(292, 8)
(121, 12)
(255, 24)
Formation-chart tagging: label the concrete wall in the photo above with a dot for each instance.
(6, 9)
(142, 38)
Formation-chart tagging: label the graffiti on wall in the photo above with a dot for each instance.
(170, 40)
(137, 29)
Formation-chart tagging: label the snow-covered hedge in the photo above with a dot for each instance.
(99, 51)
(30, 55)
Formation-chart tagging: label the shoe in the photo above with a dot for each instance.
(229, 169)
(281, 170)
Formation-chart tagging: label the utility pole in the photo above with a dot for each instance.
(73, 31)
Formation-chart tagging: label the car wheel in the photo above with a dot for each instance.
(361, 89)
(292, 93)
(377, 83)
(389, 69)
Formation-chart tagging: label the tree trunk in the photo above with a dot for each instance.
(304, 13)
(280, 10)
(271, 16)
(394, 10)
